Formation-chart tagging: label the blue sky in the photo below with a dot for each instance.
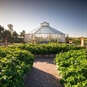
(68, 16)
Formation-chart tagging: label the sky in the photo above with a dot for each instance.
(67, 16)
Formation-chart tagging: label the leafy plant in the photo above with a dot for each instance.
(14, 64)
(51, 48)
(73, 68)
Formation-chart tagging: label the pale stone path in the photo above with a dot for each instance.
(43, 74)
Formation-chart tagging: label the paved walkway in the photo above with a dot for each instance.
(43, 74)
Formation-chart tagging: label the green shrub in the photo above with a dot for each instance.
(52, 48)
(14, 64)
(73, 67)
(16, 61)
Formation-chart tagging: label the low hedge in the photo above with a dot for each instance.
(14, 64)
(16, 60)
(52, 48)
(73, 68)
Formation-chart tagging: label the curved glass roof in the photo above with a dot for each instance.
(45, 29)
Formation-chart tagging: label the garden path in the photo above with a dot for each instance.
(43, 74)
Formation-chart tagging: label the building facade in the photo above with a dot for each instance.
(45, 33)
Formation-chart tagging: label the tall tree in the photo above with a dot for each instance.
(10, 27)
(67, 38)
(7, 35)
(22, 34)
(1, 31)
(15, 36)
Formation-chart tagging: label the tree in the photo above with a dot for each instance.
(15, 36)
(22, 34)
(10, 26)
(1, 32)
(1, 29)
(67, 38)
(6, 35)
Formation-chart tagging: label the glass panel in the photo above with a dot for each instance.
(44, 30)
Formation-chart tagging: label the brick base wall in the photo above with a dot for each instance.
(52, 56)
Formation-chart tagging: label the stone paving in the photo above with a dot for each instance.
(43, 74)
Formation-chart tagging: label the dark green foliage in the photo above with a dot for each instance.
(73, 68)
(10, 35)
(16, 61)
(7, 35)
(51, 48)
(14, 64)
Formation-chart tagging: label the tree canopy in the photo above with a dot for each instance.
(10, 35)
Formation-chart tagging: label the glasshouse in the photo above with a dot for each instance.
(45, 33)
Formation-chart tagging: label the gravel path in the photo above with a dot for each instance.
(43, 74)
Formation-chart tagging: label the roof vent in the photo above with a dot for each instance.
(44, 24)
